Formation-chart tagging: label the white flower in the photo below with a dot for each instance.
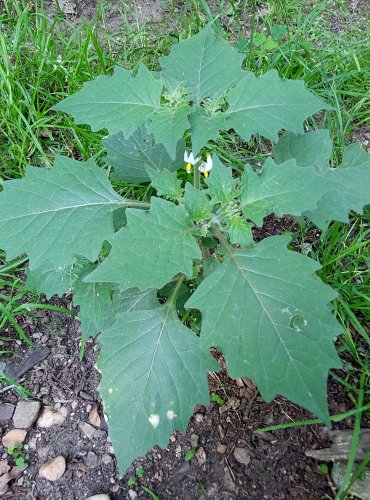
(189, 160)
(206, 167)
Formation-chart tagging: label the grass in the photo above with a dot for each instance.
(43, 60)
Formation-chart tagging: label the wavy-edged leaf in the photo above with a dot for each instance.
(153, 375)
(205, 127)
(94, 299)
(118, 102)
(154, 246)
(312, 149)
(348, 188)
(197, 203)
(168, 125)
(280, 189)
(268, 313)
(48, 280)
(130, 157)
(165, 183)
(221, 184)
(267, 104)
(240, 231)
(204, 65)
(133, 299)
(55, 214)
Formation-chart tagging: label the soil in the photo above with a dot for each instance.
(275, 465)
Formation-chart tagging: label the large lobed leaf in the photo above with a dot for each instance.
(153, 375)
(267, 104)
(168, 125)
(118, 102)
(204, 65)
(280, 189)
(347, 187)
(152, 248)
(55, 214)
(268, 313)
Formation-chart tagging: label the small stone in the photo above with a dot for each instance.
(98, 434)
(242, 455)
(14, 438)
(132, 494)
(267, 436)
(106, 459)
(53, 469)
(6, 412)
(199, 418)
(194, 440)
(4, 480)
(43, 452)
(16, 472)
(49, 417)
(88, 408)
(94, 417)
(26, 412)
(99, 496)
(74, 404)
(115, 488)
(360, 488)
(87, 429)
(158, 476)
(172, 438)
(91, 460)
(201, 456)
(86, 396)
(181, 472)
(221, 448)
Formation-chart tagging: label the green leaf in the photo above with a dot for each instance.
(205, 65)
(265, 105)
(168, 126)
(268, 313)
(348, 188)
(118, 102)
(312, 149)
(221, 184)
(153, 375)
(153, 247)
(197, 204)
(133, 299)
(48, 280)
(240, 231)
(165, 182)
(205, 127)
(94, 299)
(55, 214)
(280, 189)
(130, 157)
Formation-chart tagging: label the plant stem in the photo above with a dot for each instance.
(134, 203)
(172, 299)
(196, 178)
(222, 239)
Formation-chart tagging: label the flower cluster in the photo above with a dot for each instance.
(204, 167)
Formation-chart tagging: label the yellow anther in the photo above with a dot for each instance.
(205, 174)
(188, 168)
